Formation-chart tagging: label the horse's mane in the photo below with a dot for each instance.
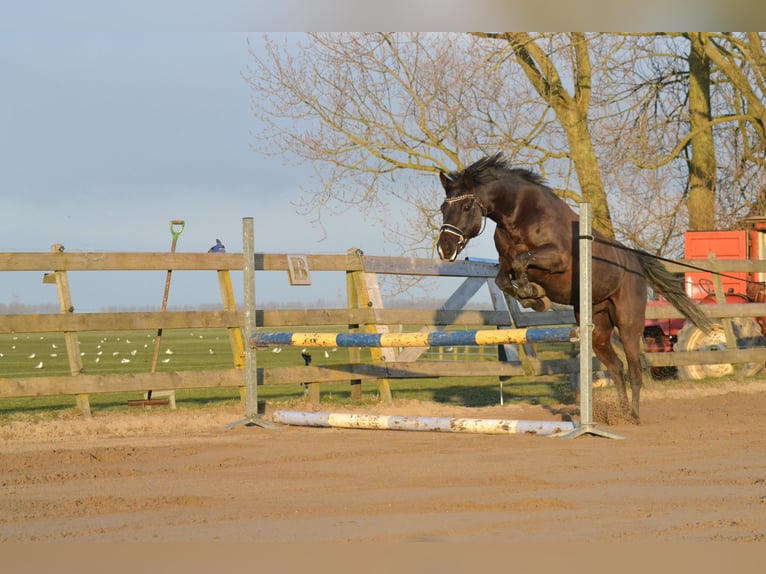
(491, 168)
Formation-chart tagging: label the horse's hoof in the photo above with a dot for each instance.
(538, 304)
(526, 290)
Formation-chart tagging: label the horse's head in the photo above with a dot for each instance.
(462, 217)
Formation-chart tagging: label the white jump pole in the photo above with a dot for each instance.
(418, 423)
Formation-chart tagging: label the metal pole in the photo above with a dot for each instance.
(251, 370)
(586, 317)
(252, 418)
(585, 244)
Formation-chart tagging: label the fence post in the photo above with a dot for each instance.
(236, 338)
(72, 342)
(252, 418)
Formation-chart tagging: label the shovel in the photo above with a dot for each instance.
(176, 227)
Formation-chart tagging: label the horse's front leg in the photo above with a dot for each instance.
(517, 285)
(522, 286)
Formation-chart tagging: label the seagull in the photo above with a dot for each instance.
(126, 360)
(217, 248)
(39, 365)
(32, 356)
(166, 360)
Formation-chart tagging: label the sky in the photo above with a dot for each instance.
(118, 117)
(108, 136)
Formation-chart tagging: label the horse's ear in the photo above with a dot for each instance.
(444, 178)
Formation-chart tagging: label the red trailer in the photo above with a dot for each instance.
(664, 335)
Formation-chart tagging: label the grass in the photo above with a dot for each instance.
(27, 355)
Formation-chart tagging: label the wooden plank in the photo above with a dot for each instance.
(278, 262)
(711, 310)
(132, 321)
(719, 266)
(96, 261)
(734, 356)
(338, 317)
(162, 261)
(396, 370)
(380, 265)
(428, 267)
(128, 382)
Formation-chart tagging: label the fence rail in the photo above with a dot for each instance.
(365, 313)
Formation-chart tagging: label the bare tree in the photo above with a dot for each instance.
(740, 63)
(375, 113)
(659, 132)
(571, 109)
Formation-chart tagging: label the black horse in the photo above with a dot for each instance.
(536, 240)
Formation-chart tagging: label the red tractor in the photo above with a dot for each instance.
(664, 335)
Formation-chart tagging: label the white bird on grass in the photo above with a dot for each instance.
(39, 365)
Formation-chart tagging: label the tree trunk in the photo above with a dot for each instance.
(702, 162)
(571, 111)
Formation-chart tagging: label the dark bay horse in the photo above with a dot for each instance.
(536, 237)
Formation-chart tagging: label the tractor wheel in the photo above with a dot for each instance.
(690, 338)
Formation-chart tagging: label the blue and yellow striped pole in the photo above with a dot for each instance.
(432, 339)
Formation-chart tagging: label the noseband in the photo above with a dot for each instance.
(454, 230)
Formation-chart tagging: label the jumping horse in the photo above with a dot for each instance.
(536, 237)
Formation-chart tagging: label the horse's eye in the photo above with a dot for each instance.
(467, 207)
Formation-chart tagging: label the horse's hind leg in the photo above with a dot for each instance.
(602, 347)
(631, 344)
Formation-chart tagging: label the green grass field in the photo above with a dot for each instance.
(23, 355)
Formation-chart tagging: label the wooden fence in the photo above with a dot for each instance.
(365, 312)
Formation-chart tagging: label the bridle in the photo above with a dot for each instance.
(454, 230)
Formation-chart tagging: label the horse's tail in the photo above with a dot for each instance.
(672, 289)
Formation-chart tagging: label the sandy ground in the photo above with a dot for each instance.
(694, 470)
